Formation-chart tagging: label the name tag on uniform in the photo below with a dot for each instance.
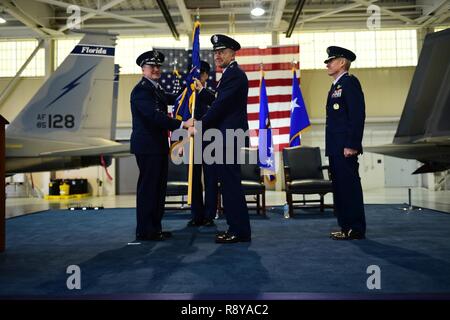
(337, 93)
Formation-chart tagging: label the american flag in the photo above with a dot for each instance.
(277, 62)
(180, 59)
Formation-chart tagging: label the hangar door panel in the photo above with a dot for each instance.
(127, 175)
(397, 172)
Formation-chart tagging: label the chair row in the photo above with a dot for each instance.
(303, 172)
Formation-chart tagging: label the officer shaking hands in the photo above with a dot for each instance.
(228, 111)
(343, 143)
(150, 145)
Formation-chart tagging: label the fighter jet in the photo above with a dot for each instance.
(423, 132)
(70, 122)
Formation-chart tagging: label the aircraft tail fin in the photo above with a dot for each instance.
(427, 106)
(77, 98)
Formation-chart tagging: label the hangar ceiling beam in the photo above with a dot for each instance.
(333, 11)
(89, 15)
(437, 16)
(168, 18)
(104, 13)
(389, 12)
(298, 9)
(443, 18)
(29, 19)
(187, 21)
(278, 14)
(430, 9)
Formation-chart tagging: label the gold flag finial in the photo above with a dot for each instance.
(197, 14)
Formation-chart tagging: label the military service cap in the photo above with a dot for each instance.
(221, 41)
(204, 66)
(153, 58)
(338, 52)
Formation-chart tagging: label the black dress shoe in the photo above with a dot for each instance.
(166, 234)
(231, 238)
(332, 233)
(222, 233)
(152, 237)
(349, 235)
(209, 223)
(194, 223)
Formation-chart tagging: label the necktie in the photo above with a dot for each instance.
(331, 89)
(330, 92)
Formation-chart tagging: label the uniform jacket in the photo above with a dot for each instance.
(229, 104)
(201, 105)
(345, 116)
(150, 119)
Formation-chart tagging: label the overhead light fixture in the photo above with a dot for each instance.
(257, 9)
(2, 20)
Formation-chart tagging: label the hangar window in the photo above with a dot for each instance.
(129, 48)
(205, 41)
(374, 49)
(63, 47)
(13, 55)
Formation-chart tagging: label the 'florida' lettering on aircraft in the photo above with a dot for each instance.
(91, 50)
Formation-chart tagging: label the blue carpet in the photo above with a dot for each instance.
(287, 257)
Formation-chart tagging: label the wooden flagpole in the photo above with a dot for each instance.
(191, 139)
(191, 156)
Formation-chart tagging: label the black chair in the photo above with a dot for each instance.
(177, 184)
(303, 173)
(252, 180)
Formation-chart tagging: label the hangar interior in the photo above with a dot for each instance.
(387, 57)
(387, 36)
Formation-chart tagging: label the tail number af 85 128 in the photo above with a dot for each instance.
(57, 121)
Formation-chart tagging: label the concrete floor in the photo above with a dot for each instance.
(421, 197)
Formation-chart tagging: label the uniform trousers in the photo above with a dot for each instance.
(347, 193)
(151, 193)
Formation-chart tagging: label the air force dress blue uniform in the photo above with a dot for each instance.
(229, 111)
(345, 111)
(149, 144)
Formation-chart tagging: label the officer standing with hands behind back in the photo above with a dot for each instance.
(150, 145)
(343, 143)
